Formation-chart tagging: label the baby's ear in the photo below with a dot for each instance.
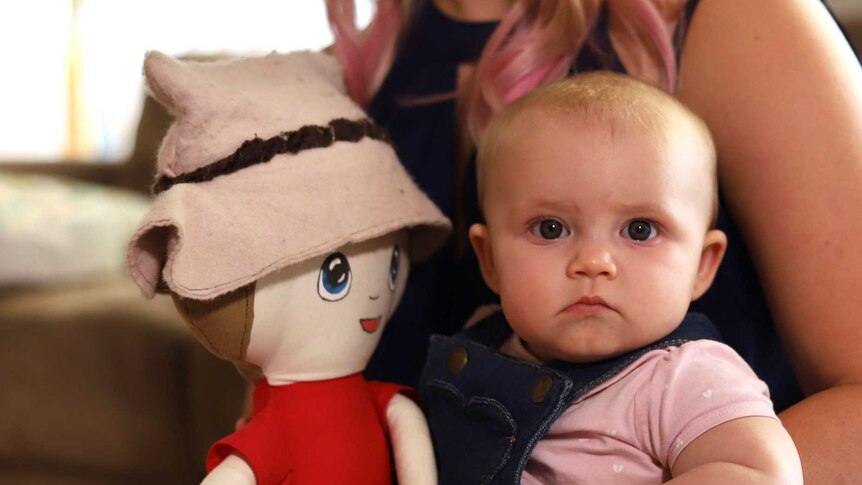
(714, 245)
(481, 241)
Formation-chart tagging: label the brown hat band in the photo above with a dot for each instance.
(258, 150)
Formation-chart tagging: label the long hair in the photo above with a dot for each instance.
(364, 55)
(535, 43)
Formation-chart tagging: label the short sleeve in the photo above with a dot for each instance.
(258, 446)
(383, 392)
(696, 387)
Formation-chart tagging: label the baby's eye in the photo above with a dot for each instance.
(334, 281)
(394, 264)
(639, 230)
(549, 229)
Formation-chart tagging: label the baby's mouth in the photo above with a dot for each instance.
(370, 325)
(588, 305)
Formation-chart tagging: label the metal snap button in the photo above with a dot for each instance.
(541, 388)
(457, 360)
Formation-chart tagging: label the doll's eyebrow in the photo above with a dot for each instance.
(258, 150)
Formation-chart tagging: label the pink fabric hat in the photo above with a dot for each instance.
(268, 164)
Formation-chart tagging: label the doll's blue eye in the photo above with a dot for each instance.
(335, 277)
(394, 264)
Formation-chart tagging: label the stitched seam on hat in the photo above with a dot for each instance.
(258, 150)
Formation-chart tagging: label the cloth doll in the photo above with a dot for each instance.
(283, 227)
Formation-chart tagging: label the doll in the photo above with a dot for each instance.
(283, 226)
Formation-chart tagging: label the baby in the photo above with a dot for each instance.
(599, 194)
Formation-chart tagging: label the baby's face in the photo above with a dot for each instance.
(322, 318)
(595, 237)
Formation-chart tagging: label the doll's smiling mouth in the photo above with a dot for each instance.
(370, 325)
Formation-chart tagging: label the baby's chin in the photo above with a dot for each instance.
(579, 352)
(585, 357)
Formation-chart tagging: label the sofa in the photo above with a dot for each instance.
(99, 385)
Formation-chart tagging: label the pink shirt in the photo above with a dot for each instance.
(632, 428)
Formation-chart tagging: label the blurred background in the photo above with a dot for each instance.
(101, 386)
(72, 68)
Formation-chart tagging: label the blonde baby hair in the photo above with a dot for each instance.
(607, 98)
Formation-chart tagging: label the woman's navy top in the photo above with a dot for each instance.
(443, 292)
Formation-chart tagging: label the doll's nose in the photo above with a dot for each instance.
(373, 297)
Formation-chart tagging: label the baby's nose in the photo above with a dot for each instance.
(592, 261)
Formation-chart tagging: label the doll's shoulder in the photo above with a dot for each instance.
(383, 392)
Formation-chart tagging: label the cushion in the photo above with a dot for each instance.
(55, 230)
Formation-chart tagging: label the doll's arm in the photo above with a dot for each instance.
(232, 471)
(750, 450)
(411, 442)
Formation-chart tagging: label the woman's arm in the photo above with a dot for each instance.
(782, 93)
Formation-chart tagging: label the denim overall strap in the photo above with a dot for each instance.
(487, 411)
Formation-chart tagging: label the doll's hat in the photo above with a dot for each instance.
(267, 164)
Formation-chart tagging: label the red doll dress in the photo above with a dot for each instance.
(331, 431)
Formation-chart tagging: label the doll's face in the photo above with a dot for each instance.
(322, 318)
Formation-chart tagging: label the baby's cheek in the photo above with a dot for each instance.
(529, 313)
(657, 308)
(523, 297)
